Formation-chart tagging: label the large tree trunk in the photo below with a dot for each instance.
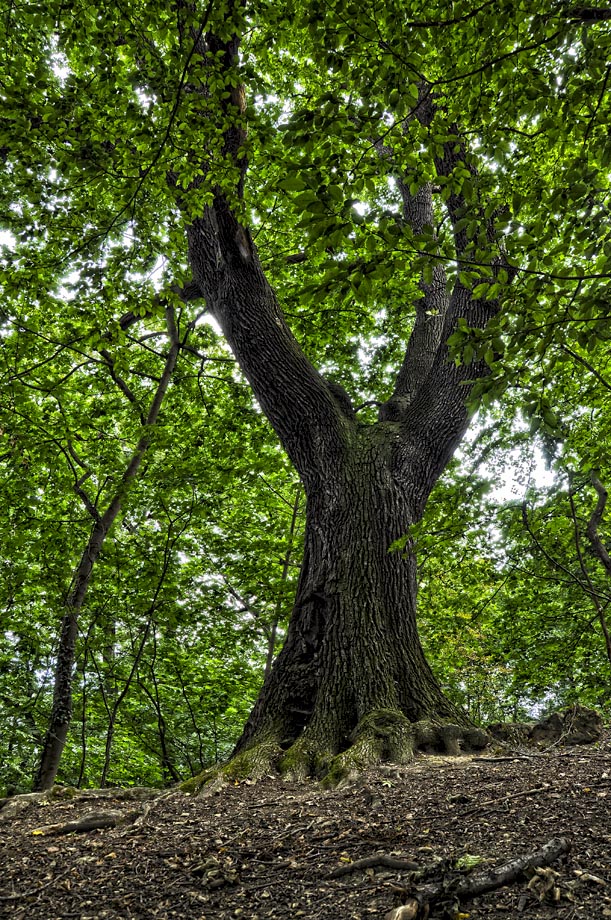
(351, 684)
(352, 673)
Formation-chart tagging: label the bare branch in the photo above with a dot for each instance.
(594, 523)
(479, 883)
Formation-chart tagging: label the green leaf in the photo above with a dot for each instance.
(293, 184)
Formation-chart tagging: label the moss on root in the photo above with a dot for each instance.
(302, 760)
(383, 735)
(386, 735)
(253, 764)
(392, 733)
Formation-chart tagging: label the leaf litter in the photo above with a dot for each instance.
(369, 849)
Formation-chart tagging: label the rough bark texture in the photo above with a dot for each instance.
(352, 647)
(351, 684)
(352, 677)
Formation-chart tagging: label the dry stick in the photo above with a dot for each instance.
(585, 755)
(389, 862)
(507, 798)
(262, 887)
(483, 882)
(264, 804)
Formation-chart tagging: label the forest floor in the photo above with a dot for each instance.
(273, 849)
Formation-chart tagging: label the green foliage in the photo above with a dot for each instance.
(194, 570)
(510, 588)
(112, 136)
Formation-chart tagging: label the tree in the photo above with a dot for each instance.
(61, 713)
(414, 158)
(159, 644)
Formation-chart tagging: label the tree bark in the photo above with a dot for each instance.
(272, 636)
(352, 666)
(352, 673)
(61, 712)
(351, 680)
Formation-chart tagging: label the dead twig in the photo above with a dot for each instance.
(369, 862)
(264, 804)
(35, 891)
(536, 790)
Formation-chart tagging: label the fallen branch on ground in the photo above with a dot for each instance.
(369, 862)
(536, 790)
(15, 806)
(35, 891)
(419, 904)
(92, 821)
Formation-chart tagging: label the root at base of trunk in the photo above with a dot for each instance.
(386, 736)
(382, 736)
(253, 764)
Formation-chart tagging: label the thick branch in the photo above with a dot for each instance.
(594, 523)
(226, 268)
(480, 883)
(436, 419)
(431, 391)
(431, 308)
(294, 396)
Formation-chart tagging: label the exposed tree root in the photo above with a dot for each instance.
(253, 764)
(16, 805)
(92, 821)
(382, 736)
(304, 759)
(386, 736)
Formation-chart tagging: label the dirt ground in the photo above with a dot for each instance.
(272, 849)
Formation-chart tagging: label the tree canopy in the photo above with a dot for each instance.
(396, 216)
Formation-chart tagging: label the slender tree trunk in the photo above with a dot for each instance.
(601, 552)
(113, 710)
(61, 712)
